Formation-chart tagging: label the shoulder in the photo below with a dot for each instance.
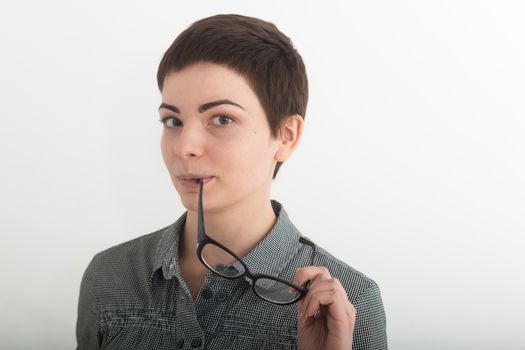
(143, 246)
(136, 256)
(356, 283)
(364, 294)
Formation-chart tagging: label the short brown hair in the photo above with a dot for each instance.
(257, 50)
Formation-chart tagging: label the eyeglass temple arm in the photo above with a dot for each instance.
(308, 242)
(304, 240)
(200, 221)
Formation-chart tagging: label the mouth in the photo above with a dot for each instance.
(194, 180)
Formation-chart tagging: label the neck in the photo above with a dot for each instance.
(240, 227)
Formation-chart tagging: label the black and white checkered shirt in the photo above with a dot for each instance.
(133, 296)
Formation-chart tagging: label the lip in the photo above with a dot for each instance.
(190, 180)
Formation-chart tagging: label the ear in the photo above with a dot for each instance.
(289, 136)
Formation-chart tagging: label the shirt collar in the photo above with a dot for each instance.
(166, 255)
(269, 257)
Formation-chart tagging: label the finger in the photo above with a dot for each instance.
(350, 310)
(334, 316)
(329, 295)
(351, 313)
(310, 273)
(324, 283)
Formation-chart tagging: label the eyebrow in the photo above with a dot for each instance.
(204, 107)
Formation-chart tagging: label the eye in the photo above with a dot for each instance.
(221, 120)
(171, 122)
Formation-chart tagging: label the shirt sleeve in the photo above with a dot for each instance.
(87, 320)
(370, 326)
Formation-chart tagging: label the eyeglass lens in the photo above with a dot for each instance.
(275, 291)
(221, 262)
(226, 265)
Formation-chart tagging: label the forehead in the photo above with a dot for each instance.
(204, 81)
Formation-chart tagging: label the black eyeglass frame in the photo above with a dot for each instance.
(203, 239)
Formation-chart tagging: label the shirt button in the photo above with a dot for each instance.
(207, 294)
(180, 343)
(195, 343)
(222, 296)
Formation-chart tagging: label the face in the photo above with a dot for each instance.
(216, 129)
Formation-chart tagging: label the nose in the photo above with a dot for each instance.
(190, 142)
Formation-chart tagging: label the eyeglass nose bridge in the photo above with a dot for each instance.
(248, 279)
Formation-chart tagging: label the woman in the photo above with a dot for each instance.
(232, 272)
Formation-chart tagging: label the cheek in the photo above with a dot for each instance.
(250, 158)
(165, 148)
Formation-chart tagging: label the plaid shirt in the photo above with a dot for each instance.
(133, 296)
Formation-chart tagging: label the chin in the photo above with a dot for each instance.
(189, 200)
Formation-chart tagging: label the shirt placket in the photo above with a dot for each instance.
(213, 301)
(190, 335)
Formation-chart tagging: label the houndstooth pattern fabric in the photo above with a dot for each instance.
(132, 296)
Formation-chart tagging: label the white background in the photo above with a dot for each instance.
(411, 167)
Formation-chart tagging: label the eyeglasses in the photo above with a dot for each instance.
(225, 263)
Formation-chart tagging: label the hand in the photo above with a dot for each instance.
(325, 318)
